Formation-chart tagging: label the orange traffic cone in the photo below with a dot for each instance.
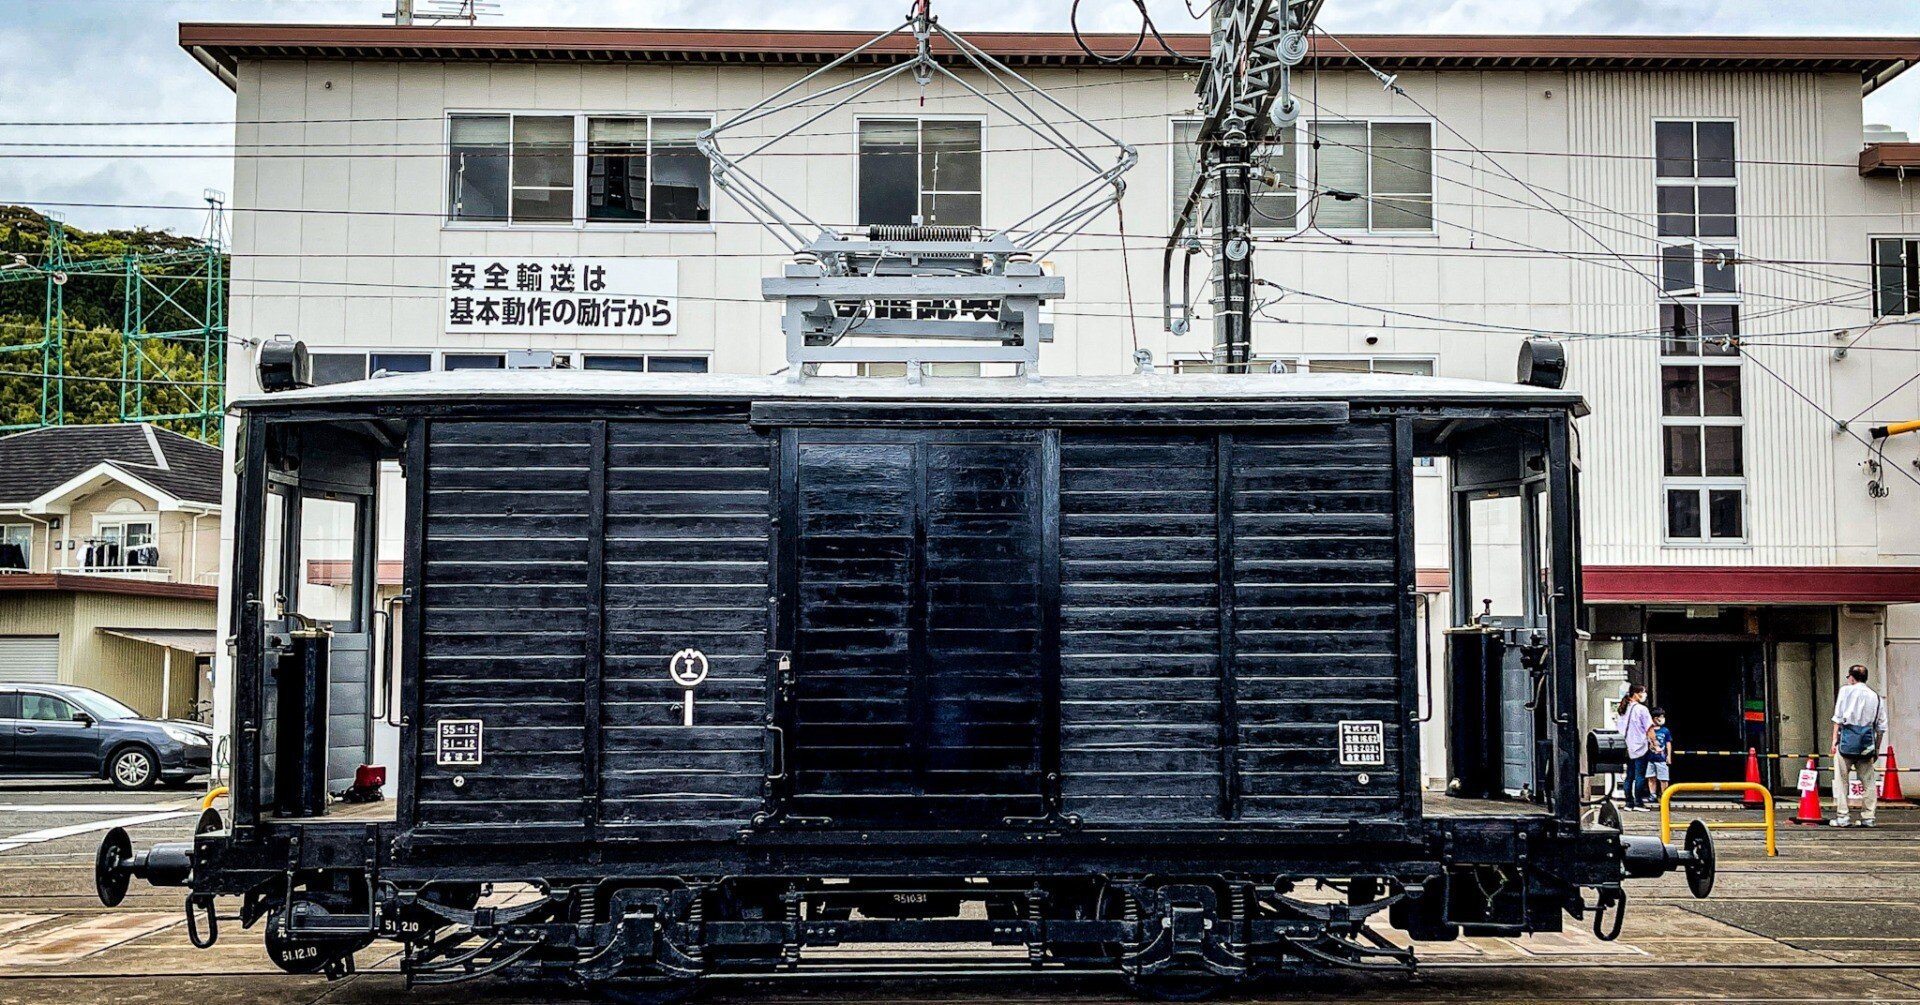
(1890, 782)
(1753, 798)
(1809, 794)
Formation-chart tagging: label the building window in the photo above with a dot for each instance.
(1375, 176)
(1693, 149)
(1702, 422)
(1702, 428)
(16, 547)
(511, 168)
(1415, 365)
(473, 361)
(1697, 202)
(1696, 270)
(645, 364)
(399, 362)
(338, 367)
(647, 169)
(920, 171)
(1896, 276)
(1275, 199)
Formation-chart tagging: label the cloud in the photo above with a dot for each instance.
(71, 62)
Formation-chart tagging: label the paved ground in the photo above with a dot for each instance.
(1835, 918)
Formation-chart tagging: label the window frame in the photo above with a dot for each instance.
(1703, 484)
(149, 518)
(1910, 290)
(583, 141)
(1302, 155)
(1175, 198)
(576, 358)
(10, 531)
(920, 147)
(579, 222)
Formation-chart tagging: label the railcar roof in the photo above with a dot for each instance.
(506, 386)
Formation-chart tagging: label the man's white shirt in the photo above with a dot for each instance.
(1858, 705)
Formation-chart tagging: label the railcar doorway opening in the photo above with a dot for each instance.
(1513, 572)
(307, 573)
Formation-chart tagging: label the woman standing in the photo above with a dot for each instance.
(1634, 723)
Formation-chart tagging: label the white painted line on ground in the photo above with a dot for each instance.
(15, 922)
(93, 807)
(56, 833)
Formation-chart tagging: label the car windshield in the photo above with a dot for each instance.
(100, 706)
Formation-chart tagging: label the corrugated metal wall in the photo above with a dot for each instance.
(1789, 445)
(127, 670)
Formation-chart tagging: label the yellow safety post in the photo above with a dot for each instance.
(1766, 802)
(206, 801)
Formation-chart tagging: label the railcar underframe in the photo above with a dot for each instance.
(1133, 683)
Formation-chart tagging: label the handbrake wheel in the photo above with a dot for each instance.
(1700, 862)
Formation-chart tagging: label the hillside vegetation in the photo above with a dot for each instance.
(95, 309)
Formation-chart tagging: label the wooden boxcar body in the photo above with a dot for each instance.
(1124, 672)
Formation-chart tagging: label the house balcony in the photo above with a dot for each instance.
(143, 573)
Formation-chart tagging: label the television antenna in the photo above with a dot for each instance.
(406, 12)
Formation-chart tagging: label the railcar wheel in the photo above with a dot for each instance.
(645, 990)
(311, 956)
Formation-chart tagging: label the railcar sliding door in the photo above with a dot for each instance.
(918, 678)
(567, 569)
(1234, 624)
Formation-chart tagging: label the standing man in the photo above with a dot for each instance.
(1859, 724)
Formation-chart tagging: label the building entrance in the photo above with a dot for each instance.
(1715, 696)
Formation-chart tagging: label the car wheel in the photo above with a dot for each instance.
(133, 768)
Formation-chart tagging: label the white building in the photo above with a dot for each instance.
(1644, 197)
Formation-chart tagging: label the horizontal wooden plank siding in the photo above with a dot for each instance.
(686, 568)
(504, 613)
(1139, 626)
(511, 633)
(1315, 619)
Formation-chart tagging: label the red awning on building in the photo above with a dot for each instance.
(1752, 584)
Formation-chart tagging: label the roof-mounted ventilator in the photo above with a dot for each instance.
(987, 286)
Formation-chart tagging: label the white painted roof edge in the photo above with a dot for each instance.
(615, 385)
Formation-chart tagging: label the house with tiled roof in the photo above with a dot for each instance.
(109, 554)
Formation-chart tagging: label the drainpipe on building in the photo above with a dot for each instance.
(46, 533)
(193, 548)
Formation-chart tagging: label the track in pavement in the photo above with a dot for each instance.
(1834, 919)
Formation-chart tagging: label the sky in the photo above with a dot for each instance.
(69, 61)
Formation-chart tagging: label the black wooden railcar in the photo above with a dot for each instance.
(1123, 671)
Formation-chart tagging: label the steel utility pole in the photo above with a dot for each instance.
(1246, 97)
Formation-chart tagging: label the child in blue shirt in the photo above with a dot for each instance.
(1659, 754)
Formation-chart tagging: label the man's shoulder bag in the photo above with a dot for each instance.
(1861, 741)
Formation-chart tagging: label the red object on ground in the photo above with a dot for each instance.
(1810, 799)
(1890, 780)
(369, 776)
(1753, 798)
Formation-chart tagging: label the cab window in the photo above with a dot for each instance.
(9, 704)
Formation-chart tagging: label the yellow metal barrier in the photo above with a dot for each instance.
(206, 801)
(1766, 803)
